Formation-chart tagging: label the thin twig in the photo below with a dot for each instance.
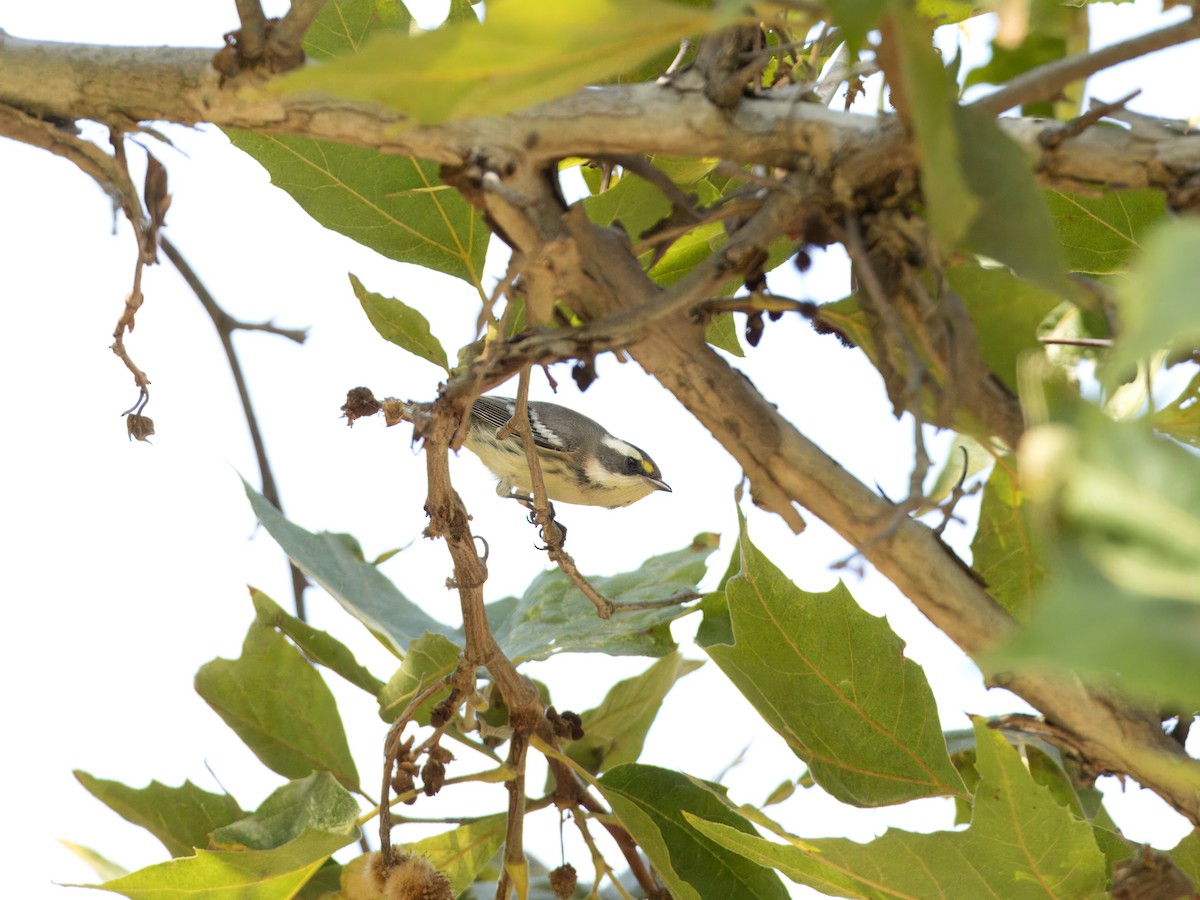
(225, 325)
(1046, 81)
(1054, 135)
(1077, 342)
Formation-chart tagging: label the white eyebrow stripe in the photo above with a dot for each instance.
(621, 447)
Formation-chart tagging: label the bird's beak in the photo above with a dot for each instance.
(659, 484)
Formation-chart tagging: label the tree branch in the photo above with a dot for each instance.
(225, 326)
(122, 84)
(1045, 81)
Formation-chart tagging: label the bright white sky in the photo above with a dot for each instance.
(128, 563)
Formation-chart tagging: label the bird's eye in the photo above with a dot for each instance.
(633, 465)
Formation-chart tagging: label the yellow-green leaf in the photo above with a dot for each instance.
(526, 52)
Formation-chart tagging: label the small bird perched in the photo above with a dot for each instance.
(581, 462)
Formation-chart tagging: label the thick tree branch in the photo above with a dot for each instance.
(122, 85)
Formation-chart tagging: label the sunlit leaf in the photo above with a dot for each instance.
(181, 817)
(524, 53)
(233, 875)
(105, 868)
(341, 26)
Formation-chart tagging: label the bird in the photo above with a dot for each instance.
(581, 461)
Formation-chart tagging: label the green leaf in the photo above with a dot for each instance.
(1099, 235)
(464, 852)
(1180, 419)
(1021, 844)
(978, 183)
(1120, 508)
(319, 646)
(401, 324)
(358, 586)
(526, 52)
(721, 332)
(341, 26)
(1186, 855)
(1006, 312)
(615, 731)
(317, 802)
(930, 92)
(1157, 302)
(877, 740)
(182, 818)
(429, 657)
(395, 205)
(634, 204)
(856, 18)
(279, 706)
(552, 616)
(1011, 224)
(232, 875)
(105, 868)
(650, 804)
(1005, 552)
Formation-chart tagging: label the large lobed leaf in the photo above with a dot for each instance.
(181, 817)
(526, 52)
(396, 205)
(1021, 844)
(876, 739)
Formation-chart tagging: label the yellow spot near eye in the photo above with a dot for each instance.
(647, 466)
